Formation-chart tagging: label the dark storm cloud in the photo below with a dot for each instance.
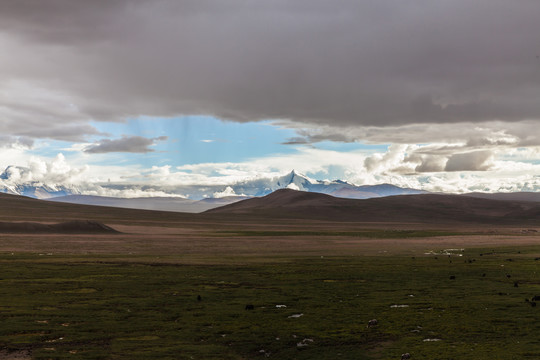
(474, 161)
(134, 144)
(447, 138)
(343, 63)
(14, 142)
(297, 140)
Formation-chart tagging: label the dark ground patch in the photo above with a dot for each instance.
(68, 227)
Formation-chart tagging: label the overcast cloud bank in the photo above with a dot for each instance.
(383, 63)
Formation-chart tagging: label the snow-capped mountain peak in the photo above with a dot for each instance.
(15, 180)
(295, 181)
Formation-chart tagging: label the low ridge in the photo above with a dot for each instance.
(69, 227)
(282, 204)
(432, 208)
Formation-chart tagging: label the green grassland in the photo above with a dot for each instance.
(83, 307)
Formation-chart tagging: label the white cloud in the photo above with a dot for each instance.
(472, 161)
(229, 191)
(396, 166)
(388, 161)
(399, 165)
(12, 156)
(130, 192)
(57, 171)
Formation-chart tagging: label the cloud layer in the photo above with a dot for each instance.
(343, 63)
(131, 144)
(398, 165)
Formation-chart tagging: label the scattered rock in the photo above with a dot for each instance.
(296, 316)
(304, 343)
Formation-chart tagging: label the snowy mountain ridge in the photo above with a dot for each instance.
(247, 188)
(338, 188)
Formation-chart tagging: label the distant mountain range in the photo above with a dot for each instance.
(202, 198)
(338, 188)
(38, 191)
(247, 189)
(250, 188)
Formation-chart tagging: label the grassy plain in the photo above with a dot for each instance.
(314, 285)
(134, 295)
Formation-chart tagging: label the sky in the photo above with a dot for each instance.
(154, 95)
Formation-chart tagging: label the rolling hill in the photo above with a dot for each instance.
(429, 208)
(289, 205)
(176, 204)
(512, 196)
(68, 227)
(22, 208)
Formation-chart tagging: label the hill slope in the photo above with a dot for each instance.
(69, 227)
(150, 203)
(513, 196)
(290, 204)
(21, 208)
(428, 208)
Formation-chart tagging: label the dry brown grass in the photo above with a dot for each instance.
(192, 244)
(226, 237)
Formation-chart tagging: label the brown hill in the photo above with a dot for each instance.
(512, 196)
(21, 208)
(69, 227)
(428, 208)
(287, 204)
